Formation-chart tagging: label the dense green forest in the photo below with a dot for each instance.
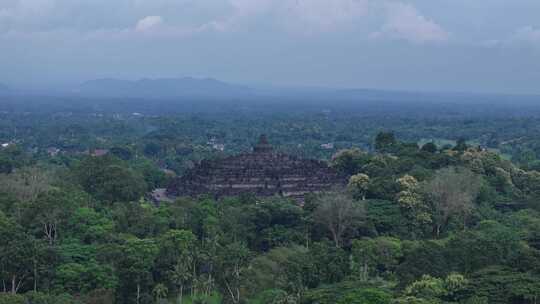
(442, 206)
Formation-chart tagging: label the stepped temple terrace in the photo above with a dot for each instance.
(263, 172)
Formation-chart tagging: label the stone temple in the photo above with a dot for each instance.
(263, 172)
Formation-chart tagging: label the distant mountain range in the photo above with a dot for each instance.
(189, 87)
(200, 89)
(162, 88)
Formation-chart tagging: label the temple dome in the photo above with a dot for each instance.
(263, 146)
(262, 172)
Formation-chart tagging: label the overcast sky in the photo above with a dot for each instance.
(450, 45)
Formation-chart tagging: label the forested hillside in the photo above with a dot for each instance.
(440, 207)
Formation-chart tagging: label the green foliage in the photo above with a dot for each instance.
(347, 292)
(153, 176)
(268, 273)
(6, 166)
(425, 257)
(331, 262)
(141, 219)
(274, 296)
(231, 264)
(504, 285)
(414, 208)
(6, 298)
(373, 257)
(77, 229)
(48, 214)
(490, 244)
(279, 220)
(429, 147)
(43, 298)
(359, 185)
(461, 145)
(366, 296)
(451, 194)
(385, 142)
(138, 257)
(152, 149)
(99, 296)
(76, 277)
(124, 153)
(80, 269)
(427, 287)
(413, 300)
(89, 226)
(435, 290)
(384, 218)
(339, 214)
(349, 161)
(18, 253)
(109, 179)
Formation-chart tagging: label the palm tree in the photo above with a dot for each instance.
(160, 291)
(181, 274)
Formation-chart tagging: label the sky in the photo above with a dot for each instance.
(427, 45)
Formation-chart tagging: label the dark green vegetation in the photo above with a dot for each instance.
(449, 222)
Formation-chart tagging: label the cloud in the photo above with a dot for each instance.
(324, 15)
(251, 7)
(24, 14)
(528, 34)
(297, 16)
(404, 21)
(523, 36)
(393, 19)
(148, 23)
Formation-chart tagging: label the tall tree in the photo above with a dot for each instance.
(349, 161)
(451, 193)
(109, 179)
(16, 255)
(385, 142)
(49, 213)
(232, 262)
(137, 260)
(358, 185)
(412, 204)
(338, 213)
(375, 256)
(160, 291)
(26, 184)
(178, 253)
